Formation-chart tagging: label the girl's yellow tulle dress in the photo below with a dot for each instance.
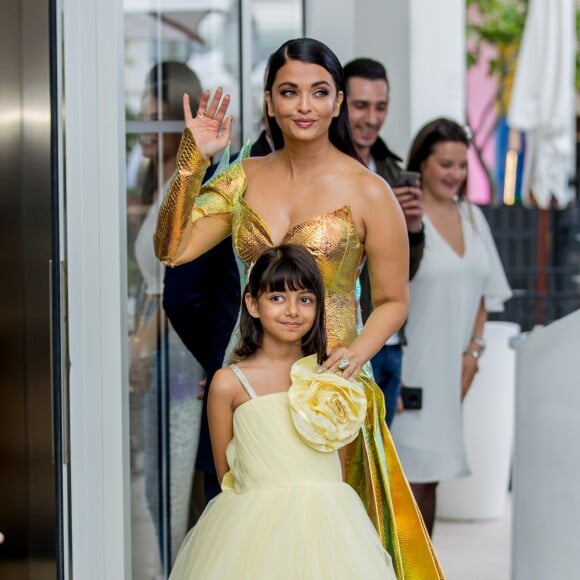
(284, 512)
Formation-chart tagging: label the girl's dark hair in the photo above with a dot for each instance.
(284, 267)
(437, 131)
(312, 51)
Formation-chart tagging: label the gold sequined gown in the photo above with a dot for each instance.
(209, 214)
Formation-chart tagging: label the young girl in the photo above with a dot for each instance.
(276, 424)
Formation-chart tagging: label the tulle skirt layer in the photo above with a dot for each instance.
(304, 532)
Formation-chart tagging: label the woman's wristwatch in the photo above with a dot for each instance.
(479, 341)
(472, 352)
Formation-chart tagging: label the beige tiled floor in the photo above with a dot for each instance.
(474, 550)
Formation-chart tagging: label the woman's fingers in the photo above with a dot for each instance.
(352, 370)
(221, 112)
(215, 103)
(227, 129)
(203, 103)
(187, 116)
(344, 361)
(215, 111)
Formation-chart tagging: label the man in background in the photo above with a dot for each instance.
(367, 97)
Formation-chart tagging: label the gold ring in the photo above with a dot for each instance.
(200, 115)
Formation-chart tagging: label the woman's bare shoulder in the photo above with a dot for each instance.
(256, 164)
(368, 185)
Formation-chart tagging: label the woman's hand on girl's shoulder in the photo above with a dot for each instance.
(209, 125)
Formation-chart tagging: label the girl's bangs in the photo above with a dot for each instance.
(286, 276)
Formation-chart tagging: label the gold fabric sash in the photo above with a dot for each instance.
(373, 469)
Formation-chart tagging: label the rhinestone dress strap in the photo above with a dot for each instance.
(244, 381)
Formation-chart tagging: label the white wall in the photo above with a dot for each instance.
(437, 60)
(420, 42)
(383, 32)
(330, 21)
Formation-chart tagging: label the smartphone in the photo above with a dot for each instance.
(412, 398)
(407, 178)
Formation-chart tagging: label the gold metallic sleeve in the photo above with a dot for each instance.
(194, 218)
(175, 213)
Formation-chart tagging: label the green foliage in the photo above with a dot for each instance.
(501, 24)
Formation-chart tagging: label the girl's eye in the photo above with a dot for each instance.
(288, 92)
(321, 93)
(276, 298)
(308, 299)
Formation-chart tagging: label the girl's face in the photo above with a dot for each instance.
(304, 100)
(152, 109)
(285, 316)
(445, 170)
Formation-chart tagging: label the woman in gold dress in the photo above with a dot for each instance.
(311, 191)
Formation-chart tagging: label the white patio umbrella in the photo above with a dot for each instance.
(542, 103)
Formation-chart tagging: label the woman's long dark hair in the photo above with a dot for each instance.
(312, 51)
(285, 267)
(439, 130)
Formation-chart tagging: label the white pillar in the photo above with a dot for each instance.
(546, 504)
(331, 22)
(488, 427)
(97, 273)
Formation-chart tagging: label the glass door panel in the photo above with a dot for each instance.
(172, 47)
(273, 22)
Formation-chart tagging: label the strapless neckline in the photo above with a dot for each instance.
(293, 228)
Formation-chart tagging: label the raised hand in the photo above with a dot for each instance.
(210, 127)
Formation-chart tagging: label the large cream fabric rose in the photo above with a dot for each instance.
(327, 410)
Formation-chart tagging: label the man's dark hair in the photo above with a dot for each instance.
(365, 68)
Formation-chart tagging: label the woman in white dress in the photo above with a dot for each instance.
(460, 279)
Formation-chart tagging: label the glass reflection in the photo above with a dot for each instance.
(172, 47)
(164, 377)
